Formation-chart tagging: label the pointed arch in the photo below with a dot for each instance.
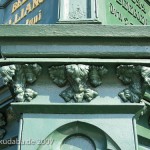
(99, 139)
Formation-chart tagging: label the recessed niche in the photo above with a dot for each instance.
(78, 10)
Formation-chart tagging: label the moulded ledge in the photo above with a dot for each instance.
(80, 108)
(75, 60)
(74, 30)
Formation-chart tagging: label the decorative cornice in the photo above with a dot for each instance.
(75, 30)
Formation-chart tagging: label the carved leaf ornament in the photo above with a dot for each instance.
(138, 79)
(80, 78)
(77, 76)
(18, 77)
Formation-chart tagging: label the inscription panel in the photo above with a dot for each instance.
(128, 12)
(117, 12)
(31, 12)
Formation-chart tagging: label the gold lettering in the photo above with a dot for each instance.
(28, 8)
(24, 1)
(27, 21)
(35, 3)
(23, 13)
(17, 18)
(40, 15)
(41, 1)
(10, 21)
(31, 21)
(19, 3)
(35, 19)
(15, 7)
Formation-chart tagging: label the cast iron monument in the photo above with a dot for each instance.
(72, 82)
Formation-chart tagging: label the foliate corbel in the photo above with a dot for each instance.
(78, 76)
(18, 77)
(138, 79)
